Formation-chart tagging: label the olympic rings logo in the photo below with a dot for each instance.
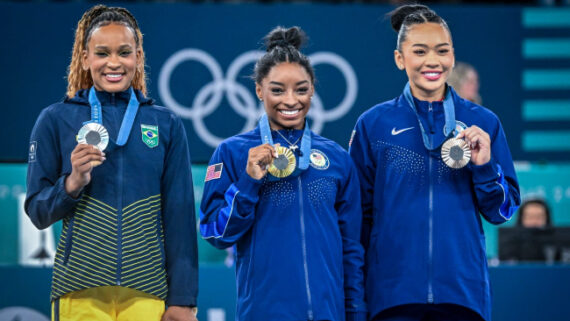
(241, 100)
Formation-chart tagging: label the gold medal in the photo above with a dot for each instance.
(455, 153)
(284, 164)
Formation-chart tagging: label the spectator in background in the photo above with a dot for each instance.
(534, 213)
(465, 80)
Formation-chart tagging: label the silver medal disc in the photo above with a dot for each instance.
(455, 153)
(93, 134)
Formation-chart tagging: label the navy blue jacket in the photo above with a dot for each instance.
(422, 229)
(134, 224)
(297, 239)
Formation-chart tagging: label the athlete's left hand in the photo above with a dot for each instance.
(179, 313)
(480, 144)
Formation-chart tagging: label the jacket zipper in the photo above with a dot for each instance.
(430, 242)
(68, 240)
(120, 216)
(430, 222)
(304, 244)
(431, 119)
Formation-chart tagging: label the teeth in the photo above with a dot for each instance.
(432, 74)
(114, 75)
(289, 112)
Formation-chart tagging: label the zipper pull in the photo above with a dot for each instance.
(431, 120)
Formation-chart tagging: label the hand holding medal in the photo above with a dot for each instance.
(92, 139)
(82, 158)
(479, 144)
(93, 134)
(259, 159)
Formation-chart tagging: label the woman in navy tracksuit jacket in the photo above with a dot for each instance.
(141, 192)
(297, 237)
(422, 233)
(129, 226)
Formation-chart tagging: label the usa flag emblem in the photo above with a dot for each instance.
(214, 172)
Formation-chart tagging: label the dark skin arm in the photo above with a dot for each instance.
(179, 313)
(83, 158)
(258, 159)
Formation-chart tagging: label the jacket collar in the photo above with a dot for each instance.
(423, 106)
(82, 97)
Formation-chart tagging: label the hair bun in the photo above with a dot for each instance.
(398, 15)
(282, 37)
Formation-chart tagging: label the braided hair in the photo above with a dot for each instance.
(98, 16)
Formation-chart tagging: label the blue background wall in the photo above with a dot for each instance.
(494, 39)
(522, 55)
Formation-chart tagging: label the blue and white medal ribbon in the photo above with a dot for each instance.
(283, 165)
(128, 119)
(448, 109)
(94, 133)
(455, 153)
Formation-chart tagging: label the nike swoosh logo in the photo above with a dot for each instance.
(399, 131)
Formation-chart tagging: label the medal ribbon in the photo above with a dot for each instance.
(303, 162)
(448, 109)
(128, 119)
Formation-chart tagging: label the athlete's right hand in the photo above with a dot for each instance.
(82, 157)
(259, 159)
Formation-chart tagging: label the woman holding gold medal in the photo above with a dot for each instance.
(289, 200)
(116, 170)
(430, 165)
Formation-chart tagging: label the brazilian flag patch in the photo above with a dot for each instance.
(149, 135)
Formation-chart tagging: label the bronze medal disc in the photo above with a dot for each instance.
(455, 153)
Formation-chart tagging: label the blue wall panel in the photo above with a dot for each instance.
(186, 43)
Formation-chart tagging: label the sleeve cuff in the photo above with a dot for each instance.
(485, 173)
(65, 198)
(249, 186)
(181, 300)
(356, 316)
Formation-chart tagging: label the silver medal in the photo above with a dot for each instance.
(455, 153)
(93, 134)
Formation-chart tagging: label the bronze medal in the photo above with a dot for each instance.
(455, 153)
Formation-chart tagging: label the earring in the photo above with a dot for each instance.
(260, 99)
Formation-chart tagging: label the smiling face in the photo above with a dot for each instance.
(428, 58)
(112, 57)
(286, 92)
